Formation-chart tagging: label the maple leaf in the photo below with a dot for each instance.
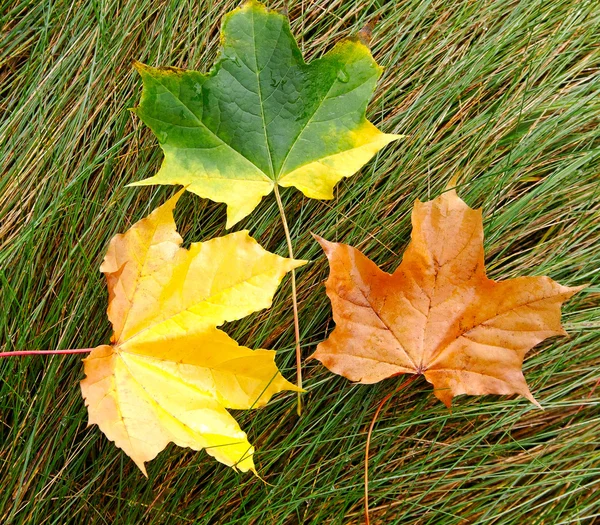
(170, 374)
(262, 116)
(438, 314)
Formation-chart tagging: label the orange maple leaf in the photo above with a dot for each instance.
(438, 314)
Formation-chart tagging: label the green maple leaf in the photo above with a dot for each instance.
(262, 116)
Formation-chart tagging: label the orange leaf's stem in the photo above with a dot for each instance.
(294, 298)
(45, 352)
(385, 400)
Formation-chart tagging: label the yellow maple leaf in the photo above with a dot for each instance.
(170, 374)
(438, 315)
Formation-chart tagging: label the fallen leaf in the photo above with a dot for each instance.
(262, 116)
(438, 314)
(170, 374)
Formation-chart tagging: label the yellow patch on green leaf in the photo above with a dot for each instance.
(262, 116)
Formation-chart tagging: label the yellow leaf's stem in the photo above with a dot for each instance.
(383, 402)
(45, 352)
(294, 299)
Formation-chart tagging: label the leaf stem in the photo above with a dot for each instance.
(294, 298)
(383, 402)
(45, 352)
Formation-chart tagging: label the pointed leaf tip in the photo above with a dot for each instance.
(139, 66)
(326, 245)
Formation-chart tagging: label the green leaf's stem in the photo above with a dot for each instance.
(294, 299)
(383, 402)
(45, 352)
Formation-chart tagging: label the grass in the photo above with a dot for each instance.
(504, 94)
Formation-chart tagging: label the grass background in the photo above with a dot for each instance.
(505, 94)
